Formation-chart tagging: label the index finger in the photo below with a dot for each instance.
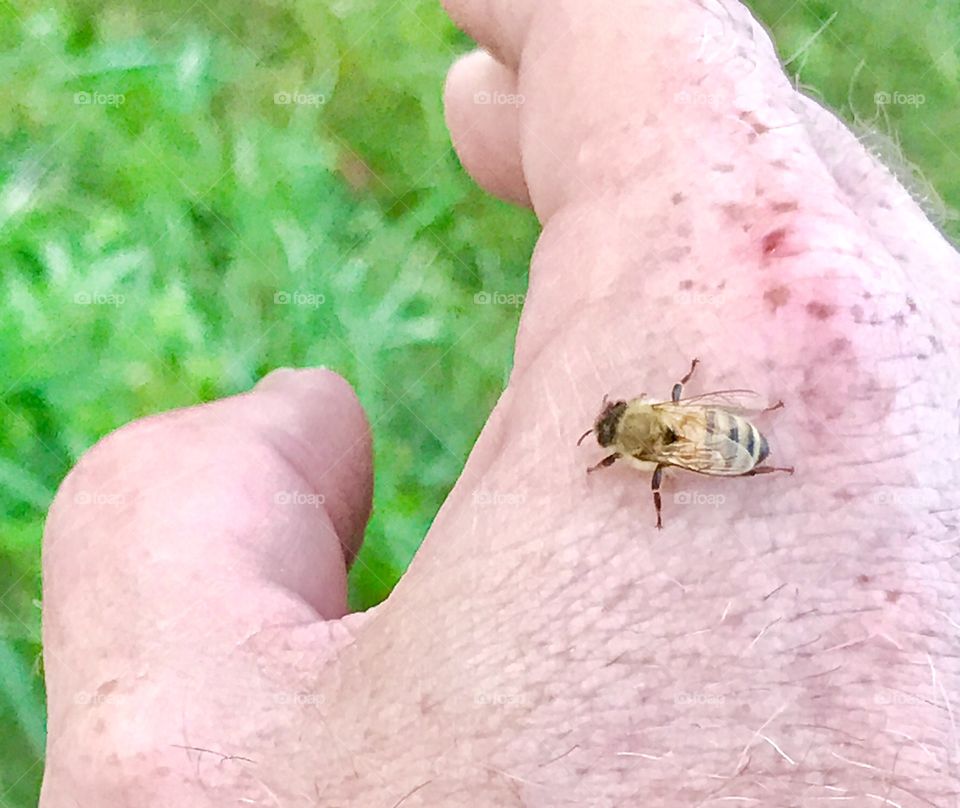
(500, 26)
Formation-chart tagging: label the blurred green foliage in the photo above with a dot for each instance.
(192, 195)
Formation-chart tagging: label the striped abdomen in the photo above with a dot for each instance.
(734, 439)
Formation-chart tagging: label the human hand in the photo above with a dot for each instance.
(792, 644)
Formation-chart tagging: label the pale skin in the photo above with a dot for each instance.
(794, 643)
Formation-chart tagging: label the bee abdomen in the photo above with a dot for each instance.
(733, 430)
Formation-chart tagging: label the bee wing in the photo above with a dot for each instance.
(691, 450)
(740, 401)
(693, 457)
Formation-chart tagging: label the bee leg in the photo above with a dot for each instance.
(609, 460)
(678, 387)
(772, 407)
(655, 485)
(766, 470)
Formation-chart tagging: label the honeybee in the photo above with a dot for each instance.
(708, 434)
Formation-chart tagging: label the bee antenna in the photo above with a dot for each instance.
(588, 432)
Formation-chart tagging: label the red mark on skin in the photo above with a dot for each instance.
(911, 305)
(833, 378)
(820, 311)
(843, 495)
(687, 284)
(857, 312)
(777, 297)
(863, 579)
(893, 596)
(773, 241)
(899, 318)
(677, 198)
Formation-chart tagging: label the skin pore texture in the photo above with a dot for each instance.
(784, 641)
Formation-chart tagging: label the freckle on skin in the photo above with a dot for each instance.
(863, 579)
(735, 212)
(677, 198)
(893, 595)
(820, 311)
(840, 345)
(857, 312)
(784, 207)
(777, 297)
(911, 305)
(758, 127)
(686, 284)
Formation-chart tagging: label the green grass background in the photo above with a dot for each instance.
(189, 207)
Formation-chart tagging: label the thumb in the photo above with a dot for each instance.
(173, 542)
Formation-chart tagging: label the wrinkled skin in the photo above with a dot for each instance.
(792, 643)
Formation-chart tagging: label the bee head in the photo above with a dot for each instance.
(607, 421)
